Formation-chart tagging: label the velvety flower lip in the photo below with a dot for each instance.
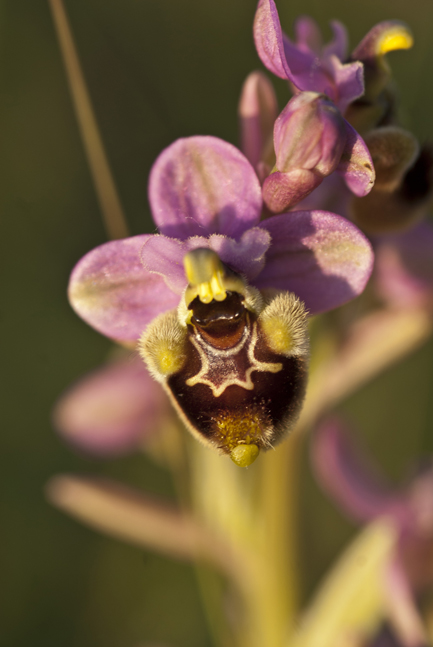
(121, 286)
(306, 64)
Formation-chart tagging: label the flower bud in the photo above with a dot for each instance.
(377, 105)
(309, 139)
(385, 37)
(393, 151)
(404, 190)
(257, 111)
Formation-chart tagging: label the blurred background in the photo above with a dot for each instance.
(157, 70)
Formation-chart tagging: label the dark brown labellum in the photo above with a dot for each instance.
(232, 387)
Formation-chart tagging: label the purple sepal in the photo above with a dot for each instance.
(348, 81)
(202, 185)
(321, 257)
(111, 290)
(308, 35)
(268, 39)
(339, 44)
(344, 473)
(356, 165)
(309, 38)
(111, 410)
(164, 256)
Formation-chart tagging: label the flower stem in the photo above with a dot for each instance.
(112, 212)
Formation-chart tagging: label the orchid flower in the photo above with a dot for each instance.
(314, 124)
(307, 64)
(346, 475)
(395, 216)
(113, 409)
(310, 66)
(206, 201)
(403, 269)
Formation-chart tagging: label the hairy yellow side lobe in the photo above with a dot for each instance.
(284, 325)
(162, 346)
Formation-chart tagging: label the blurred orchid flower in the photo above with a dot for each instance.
(112, 410)
(404, 268)
(395, 213)
(346, 475)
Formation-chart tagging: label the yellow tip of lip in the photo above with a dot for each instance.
(205, 271)
(401, 39)
(244, 455)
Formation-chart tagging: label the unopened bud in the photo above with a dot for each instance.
(383, 38)
(257, 110)
(309, 139)
(377, 104)
(386, 211)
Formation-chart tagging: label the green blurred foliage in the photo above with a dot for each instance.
(157, 70)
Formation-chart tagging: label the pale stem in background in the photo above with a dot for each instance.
(112, 212)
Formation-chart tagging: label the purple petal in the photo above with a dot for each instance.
(258, 111)
(344, 473)
(111, 290)
(268, 38)
(307, 71)
(338, 45)
(164, 256)
(111, 410)
(308, 36)
(281, 191)
(201, 186)
(356, 165)
(348, 79)
(404, 268)
(321, 257)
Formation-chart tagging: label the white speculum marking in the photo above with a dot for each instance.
(219, 368)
